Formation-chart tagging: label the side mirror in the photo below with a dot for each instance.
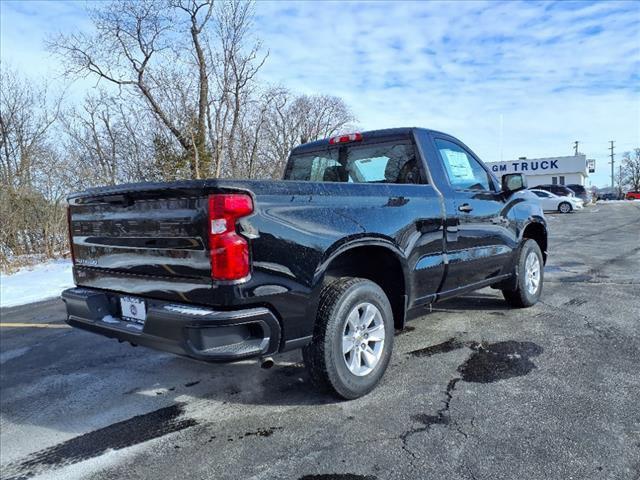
(512, 182)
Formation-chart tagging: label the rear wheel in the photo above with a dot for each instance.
(529, 277)
(565, 207)
(352, 340)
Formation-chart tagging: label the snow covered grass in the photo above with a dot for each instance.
(35, 283)
(605, 202)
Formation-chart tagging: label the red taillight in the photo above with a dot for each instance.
(351, 137)
(73, 257)
(229, 251)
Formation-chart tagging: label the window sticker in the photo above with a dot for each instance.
(459, 166)
(372, 169)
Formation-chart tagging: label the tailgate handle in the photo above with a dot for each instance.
(123, 200)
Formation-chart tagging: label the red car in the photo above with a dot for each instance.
(632, 196)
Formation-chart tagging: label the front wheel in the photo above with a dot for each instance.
(529, 277)
(352, 339)
(565, 207)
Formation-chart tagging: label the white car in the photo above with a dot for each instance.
(551, 202)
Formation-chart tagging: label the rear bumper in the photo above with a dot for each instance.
(197, 332)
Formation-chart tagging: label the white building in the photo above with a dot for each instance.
(554, 170)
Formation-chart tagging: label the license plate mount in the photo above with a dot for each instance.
(133, 309)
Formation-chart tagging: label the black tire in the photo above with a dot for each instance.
(324, 358)
(521, 296)
(565, 207)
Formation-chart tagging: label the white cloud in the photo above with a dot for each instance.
(556, 72)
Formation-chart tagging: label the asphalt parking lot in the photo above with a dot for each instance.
(474, 390)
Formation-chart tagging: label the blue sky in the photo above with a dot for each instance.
(554, 71)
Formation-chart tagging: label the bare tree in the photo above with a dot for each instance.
(107, 139)
(323, 115)
(235, 66)
(192, 63)
(134, 43)
(30, 187)
(620, 181)
(93, 140)
(631, 166)
(294, 120)
(249, 144)
(27, 114)
(197, 23)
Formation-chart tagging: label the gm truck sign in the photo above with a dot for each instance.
(540, 166)
(526, 166)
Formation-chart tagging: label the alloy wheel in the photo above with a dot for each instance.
(532, 273)
(363, 339)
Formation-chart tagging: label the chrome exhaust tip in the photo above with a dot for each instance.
(266, 362)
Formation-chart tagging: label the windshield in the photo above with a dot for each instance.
(389, 162)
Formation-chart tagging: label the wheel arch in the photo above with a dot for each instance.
(536, 230)
(375, 259)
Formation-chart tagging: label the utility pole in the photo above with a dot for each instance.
(612, 164)
(575, 147)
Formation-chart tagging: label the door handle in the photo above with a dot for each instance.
(465, 207)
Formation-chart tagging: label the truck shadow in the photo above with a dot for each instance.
(286, 383)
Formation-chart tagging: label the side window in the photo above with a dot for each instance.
(464, 171)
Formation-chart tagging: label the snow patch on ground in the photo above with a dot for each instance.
(36, 283)
(606, 202)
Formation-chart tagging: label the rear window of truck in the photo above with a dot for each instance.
(389, 162)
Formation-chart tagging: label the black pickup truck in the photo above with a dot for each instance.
(365, 230)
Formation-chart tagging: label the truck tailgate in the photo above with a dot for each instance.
(154, 234)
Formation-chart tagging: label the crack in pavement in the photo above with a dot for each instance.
(440, 418)
(489, 362)
(567, 313)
